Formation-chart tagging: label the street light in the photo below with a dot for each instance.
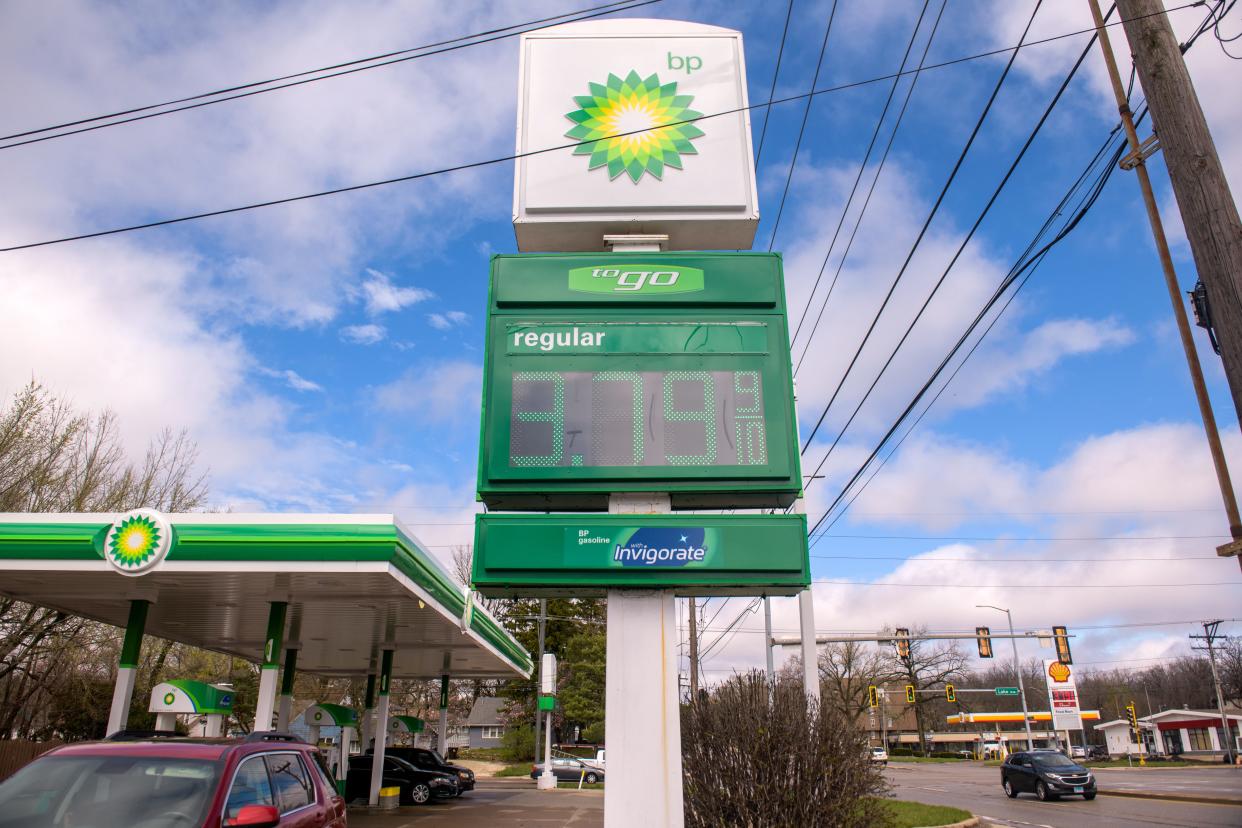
(1017, 668)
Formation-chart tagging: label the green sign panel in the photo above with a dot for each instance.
(1006, 691)
(578, 556)
(622, 372)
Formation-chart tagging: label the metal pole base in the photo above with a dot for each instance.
(642, 714)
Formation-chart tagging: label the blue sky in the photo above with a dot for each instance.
(326, 355)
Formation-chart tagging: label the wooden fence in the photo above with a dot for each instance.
(16, 754)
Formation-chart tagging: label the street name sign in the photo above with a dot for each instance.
(637, 372)
(633, 126)
(586, 555)
(1006, 691)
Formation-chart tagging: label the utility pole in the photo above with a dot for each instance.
(1203, 197)
(1208, 211)
(694, 651)
(1209, 636)
(1017, 669)
(543, 620)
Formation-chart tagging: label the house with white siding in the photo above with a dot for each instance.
(1192, 734)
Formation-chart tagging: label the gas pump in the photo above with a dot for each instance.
(183, 696)
(325, 714)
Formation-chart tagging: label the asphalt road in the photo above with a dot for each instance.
(977, 789)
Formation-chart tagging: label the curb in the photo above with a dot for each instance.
(1205, 800)
(973, 822)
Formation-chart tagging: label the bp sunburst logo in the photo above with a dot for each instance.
(137, 541)
(624, 125)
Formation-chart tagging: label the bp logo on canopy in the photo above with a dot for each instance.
(137, 542)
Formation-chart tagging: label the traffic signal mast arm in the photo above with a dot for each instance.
(793, 640)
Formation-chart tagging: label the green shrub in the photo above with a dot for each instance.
(518, 744)
(594, 733)
(946, 754)
(903, 752)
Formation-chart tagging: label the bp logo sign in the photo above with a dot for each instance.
(620, 124)
(637, 278)
(137, 542)
(169, 698)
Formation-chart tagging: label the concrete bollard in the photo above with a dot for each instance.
(389, 798)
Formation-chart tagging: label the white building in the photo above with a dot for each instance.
(1189, 733)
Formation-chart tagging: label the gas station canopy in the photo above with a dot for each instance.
(354, 584)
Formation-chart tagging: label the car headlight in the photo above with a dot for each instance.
(463, 775)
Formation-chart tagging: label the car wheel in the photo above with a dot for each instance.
(591, 779)
(1009, 791)
(1041, 791)
(1088, 796)
(420, 793)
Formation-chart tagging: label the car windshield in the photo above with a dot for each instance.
(105, 791)
(436, 755)
(1053, 760)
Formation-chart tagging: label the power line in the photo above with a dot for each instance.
(806, 113)
(862, 166)
(474, 40)
(514, 156)
(1030, 539)
(767, 110)
(1047, 224)
(944, 191)
(997, 294)
(993, 559)
(1022, 586)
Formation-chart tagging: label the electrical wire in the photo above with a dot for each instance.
(862, 165)
(514, 156)
(1047, 224)
(840, 582)
(1032, 539)
(993, 559)
(806, 113)
(474, 40)
(767, 110)
(944, 190)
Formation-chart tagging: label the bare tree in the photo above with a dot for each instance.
(927, 665)
(53, 458)
(846, 670)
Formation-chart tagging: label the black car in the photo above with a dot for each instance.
(432, 760)
(1046, 773)
(418, 786)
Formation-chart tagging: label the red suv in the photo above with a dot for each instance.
(264, 780)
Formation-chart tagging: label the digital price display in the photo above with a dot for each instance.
(621, 378)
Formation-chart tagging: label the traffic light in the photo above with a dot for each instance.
(985, 641)
(1061, 637)
(949, 694)
(1132, 716)
(873, 696)
(903, 643)
(909, 694)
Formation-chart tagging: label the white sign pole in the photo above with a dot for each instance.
(547, 688)
(642, 718)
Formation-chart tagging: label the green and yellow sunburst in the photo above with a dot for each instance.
(134, 542)
(640, 106)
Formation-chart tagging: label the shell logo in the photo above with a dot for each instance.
(1059, 671)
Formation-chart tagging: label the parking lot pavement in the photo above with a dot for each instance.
(496, 803)
(977, 788)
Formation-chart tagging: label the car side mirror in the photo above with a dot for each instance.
(255, 816)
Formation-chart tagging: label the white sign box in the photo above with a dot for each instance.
(648, 132)
(1062, 696)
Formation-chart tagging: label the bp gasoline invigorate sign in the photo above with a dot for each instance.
(637, 372)
(579, 555)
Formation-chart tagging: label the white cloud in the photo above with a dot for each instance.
(293, 379)
(434, 392)
(445, 321)
(363, 334)
(380, 295)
